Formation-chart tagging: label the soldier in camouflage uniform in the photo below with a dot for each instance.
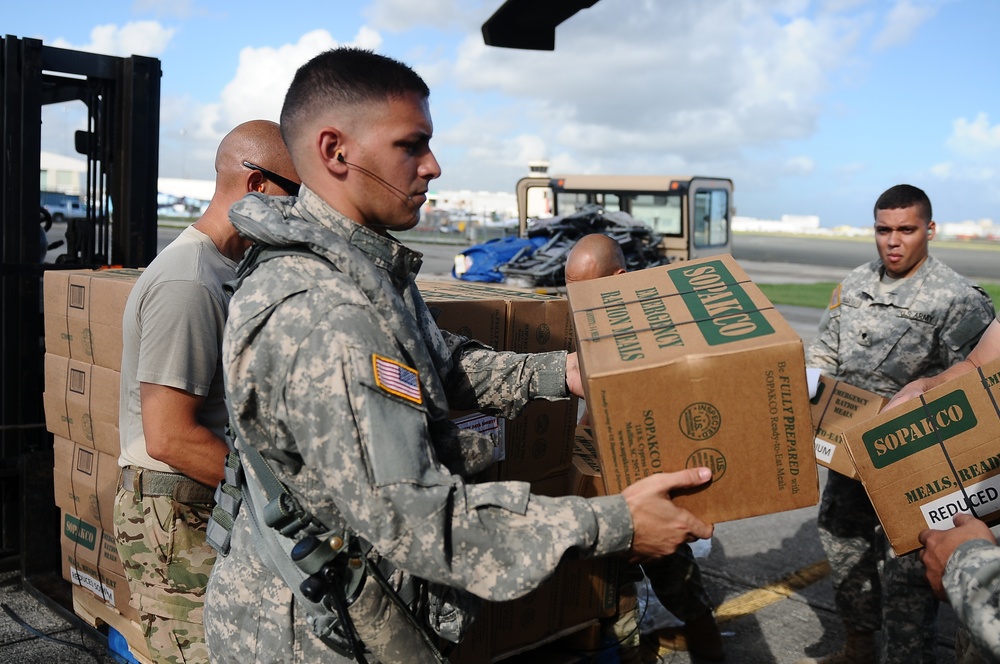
(172, 411)
(963, 564)
(963, 567)
(338, 375)
(900, 317)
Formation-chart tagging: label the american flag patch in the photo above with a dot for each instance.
(835, 297)
(397, 379)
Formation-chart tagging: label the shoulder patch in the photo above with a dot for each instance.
(835, 297)
(397, 379)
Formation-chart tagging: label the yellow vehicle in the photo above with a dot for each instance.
(693, 213)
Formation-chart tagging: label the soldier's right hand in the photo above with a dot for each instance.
(658, 525)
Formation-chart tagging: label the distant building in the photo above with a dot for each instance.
(984, 229)
(479, 205)
(65, 175)
(789, 223)
(180, 188)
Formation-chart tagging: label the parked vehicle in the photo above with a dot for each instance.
(692, 213)
(67, 210)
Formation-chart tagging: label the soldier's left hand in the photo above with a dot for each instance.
(939, 545)
(574, 383)
(911, 390)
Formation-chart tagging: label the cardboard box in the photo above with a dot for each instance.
(90, 560)
(585, 473)
(81, 402)
(580, 593)
(837, 407)
(538, 443)
(85, 482)
(934, 457)
(83, 313)
(690, 365)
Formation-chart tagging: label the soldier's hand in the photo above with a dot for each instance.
(939, 545)
(574, 383)
(909, 391)
(659, 526)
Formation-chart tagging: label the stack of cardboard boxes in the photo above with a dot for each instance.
(538, 448)
(83, 344)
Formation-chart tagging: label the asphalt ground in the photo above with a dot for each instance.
(767, 574)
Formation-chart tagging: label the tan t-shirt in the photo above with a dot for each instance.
(172, 335)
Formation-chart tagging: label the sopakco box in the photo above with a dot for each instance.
(90, 560)
(538, 443)
(83, 313)
(934, 457)
(690, 365)
(579, 593)
(85, 482)
(837, 407)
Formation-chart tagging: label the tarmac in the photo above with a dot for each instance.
(767, 575)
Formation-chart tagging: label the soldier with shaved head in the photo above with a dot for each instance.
(172, 413)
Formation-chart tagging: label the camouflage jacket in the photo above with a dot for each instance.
(972, 582)
(882, 342)
(341, 379)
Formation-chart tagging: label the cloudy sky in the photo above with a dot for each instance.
(811, 107)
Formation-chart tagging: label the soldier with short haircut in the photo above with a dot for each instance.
(895, 319)
(339, 386)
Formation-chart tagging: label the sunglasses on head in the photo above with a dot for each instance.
(292, 188)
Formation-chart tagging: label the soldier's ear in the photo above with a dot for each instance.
(931, 228)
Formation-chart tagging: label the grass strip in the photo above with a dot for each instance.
(817, 295)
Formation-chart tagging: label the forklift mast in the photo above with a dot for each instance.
(121, 148)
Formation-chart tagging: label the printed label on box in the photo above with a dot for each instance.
(824, 450)
(80, 532)
(721, 308)
(983, 497)
(90, 583)
(939, 420)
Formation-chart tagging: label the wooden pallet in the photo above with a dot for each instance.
(96, 613)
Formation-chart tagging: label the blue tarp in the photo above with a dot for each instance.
(482, 260)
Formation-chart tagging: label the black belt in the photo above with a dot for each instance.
(183, 489)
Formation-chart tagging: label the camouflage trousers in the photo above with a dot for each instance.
(872, 588)
(167, 562)
(676, 582)
(966, 651)
(847, 524)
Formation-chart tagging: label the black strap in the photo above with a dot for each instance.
(947, 457)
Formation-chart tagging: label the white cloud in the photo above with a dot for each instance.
(975, 138)
(800, 166)
(684, 81)
(901, 22)
(148, 38)
(943, 170)
(191, 131)
(400, 15)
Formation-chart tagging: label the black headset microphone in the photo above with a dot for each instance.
(407, 200)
